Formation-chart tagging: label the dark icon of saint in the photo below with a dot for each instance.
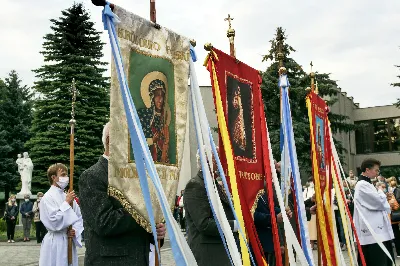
(155, 118)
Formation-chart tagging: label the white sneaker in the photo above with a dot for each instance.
(12, 241)
(9, 241)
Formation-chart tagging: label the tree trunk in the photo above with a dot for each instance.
(6, 192)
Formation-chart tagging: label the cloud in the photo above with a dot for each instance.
(357, 41)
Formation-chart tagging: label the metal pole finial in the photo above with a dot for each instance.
(231, 35)
(280, 55)
(73, 91)
(312, 76)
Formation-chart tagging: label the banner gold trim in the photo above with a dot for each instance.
(117, 194)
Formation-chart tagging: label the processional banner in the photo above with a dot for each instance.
(321, 155)
(157, 66)
(326, 173)
(242, 131)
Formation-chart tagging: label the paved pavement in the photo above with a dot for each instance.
(27, 254)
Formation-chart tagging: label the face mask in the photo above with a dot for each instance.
(13, 200)
(26, 200)
(63, 182)
(39, 198)
(346, 189)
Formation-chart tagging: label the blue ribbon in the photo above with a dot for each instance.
(143, 159)
(293, 161)
(193, 53)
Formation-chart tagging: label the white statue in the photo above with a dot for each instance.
(20, 163)
(26, 175)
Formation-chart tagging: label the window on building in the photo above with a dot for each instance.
(374, 136)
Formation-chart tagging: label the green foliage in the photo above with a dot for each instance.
(3, 226)
(397, 84)
(299, 81)
(73, 49)
(389, 171)
(15, 121)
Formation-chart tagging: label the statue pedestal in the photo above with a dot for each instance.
(21, 199)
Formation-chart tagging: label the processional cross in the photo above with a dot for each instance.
(231, 35)
(314, 85)
(72, 123)
(229, 19)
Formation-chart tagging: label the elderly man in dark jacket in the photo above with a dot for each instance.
(112, 236)
(203, 236)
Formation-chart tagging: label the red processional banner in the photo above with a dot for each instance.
(236, 88)
(321, 160)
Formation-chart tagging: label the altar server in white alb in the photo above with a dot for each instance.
(371, 206)
(57, 215)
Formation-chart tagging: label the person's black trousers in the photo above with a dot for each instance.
(396, 232)
(374, 255)
(11, 229)
(40, 231)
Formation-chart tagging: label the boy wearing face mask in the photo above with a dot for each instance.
(58, 210)
(26, 212)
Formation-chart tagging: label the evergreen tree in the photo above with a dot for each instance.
(397, 84)
(15, 121)
(299, 81)
(72, 50)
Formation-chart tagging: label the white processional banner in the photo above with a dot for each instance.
(157, 68)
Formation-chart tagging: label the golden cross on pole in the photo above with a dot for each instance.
(231, 35)
(312, 76)
(229, 19)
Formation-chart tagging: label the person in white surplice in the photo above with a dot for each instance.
(57, 215)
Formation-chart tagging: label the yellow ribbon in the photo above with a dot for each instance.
(229, 159)
(328, 209)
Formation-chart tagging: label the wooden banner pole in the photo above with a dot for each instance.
(72, 123)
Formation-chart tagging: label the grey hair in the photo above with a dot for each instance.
(106, 133)
(378, 184)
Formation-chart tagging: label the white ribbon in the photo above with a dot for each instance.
(203, 139)
(291, 238)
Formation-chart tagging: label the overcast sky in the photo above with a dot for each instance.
(357, 40)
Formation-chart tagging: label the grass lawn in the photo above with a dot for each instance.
(19, 235)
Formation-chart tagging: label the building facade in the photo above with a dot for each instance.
(377, 134)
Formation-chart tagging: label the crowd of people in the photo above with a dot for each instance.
(114, 237)
(30, 211)
(371, 200)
